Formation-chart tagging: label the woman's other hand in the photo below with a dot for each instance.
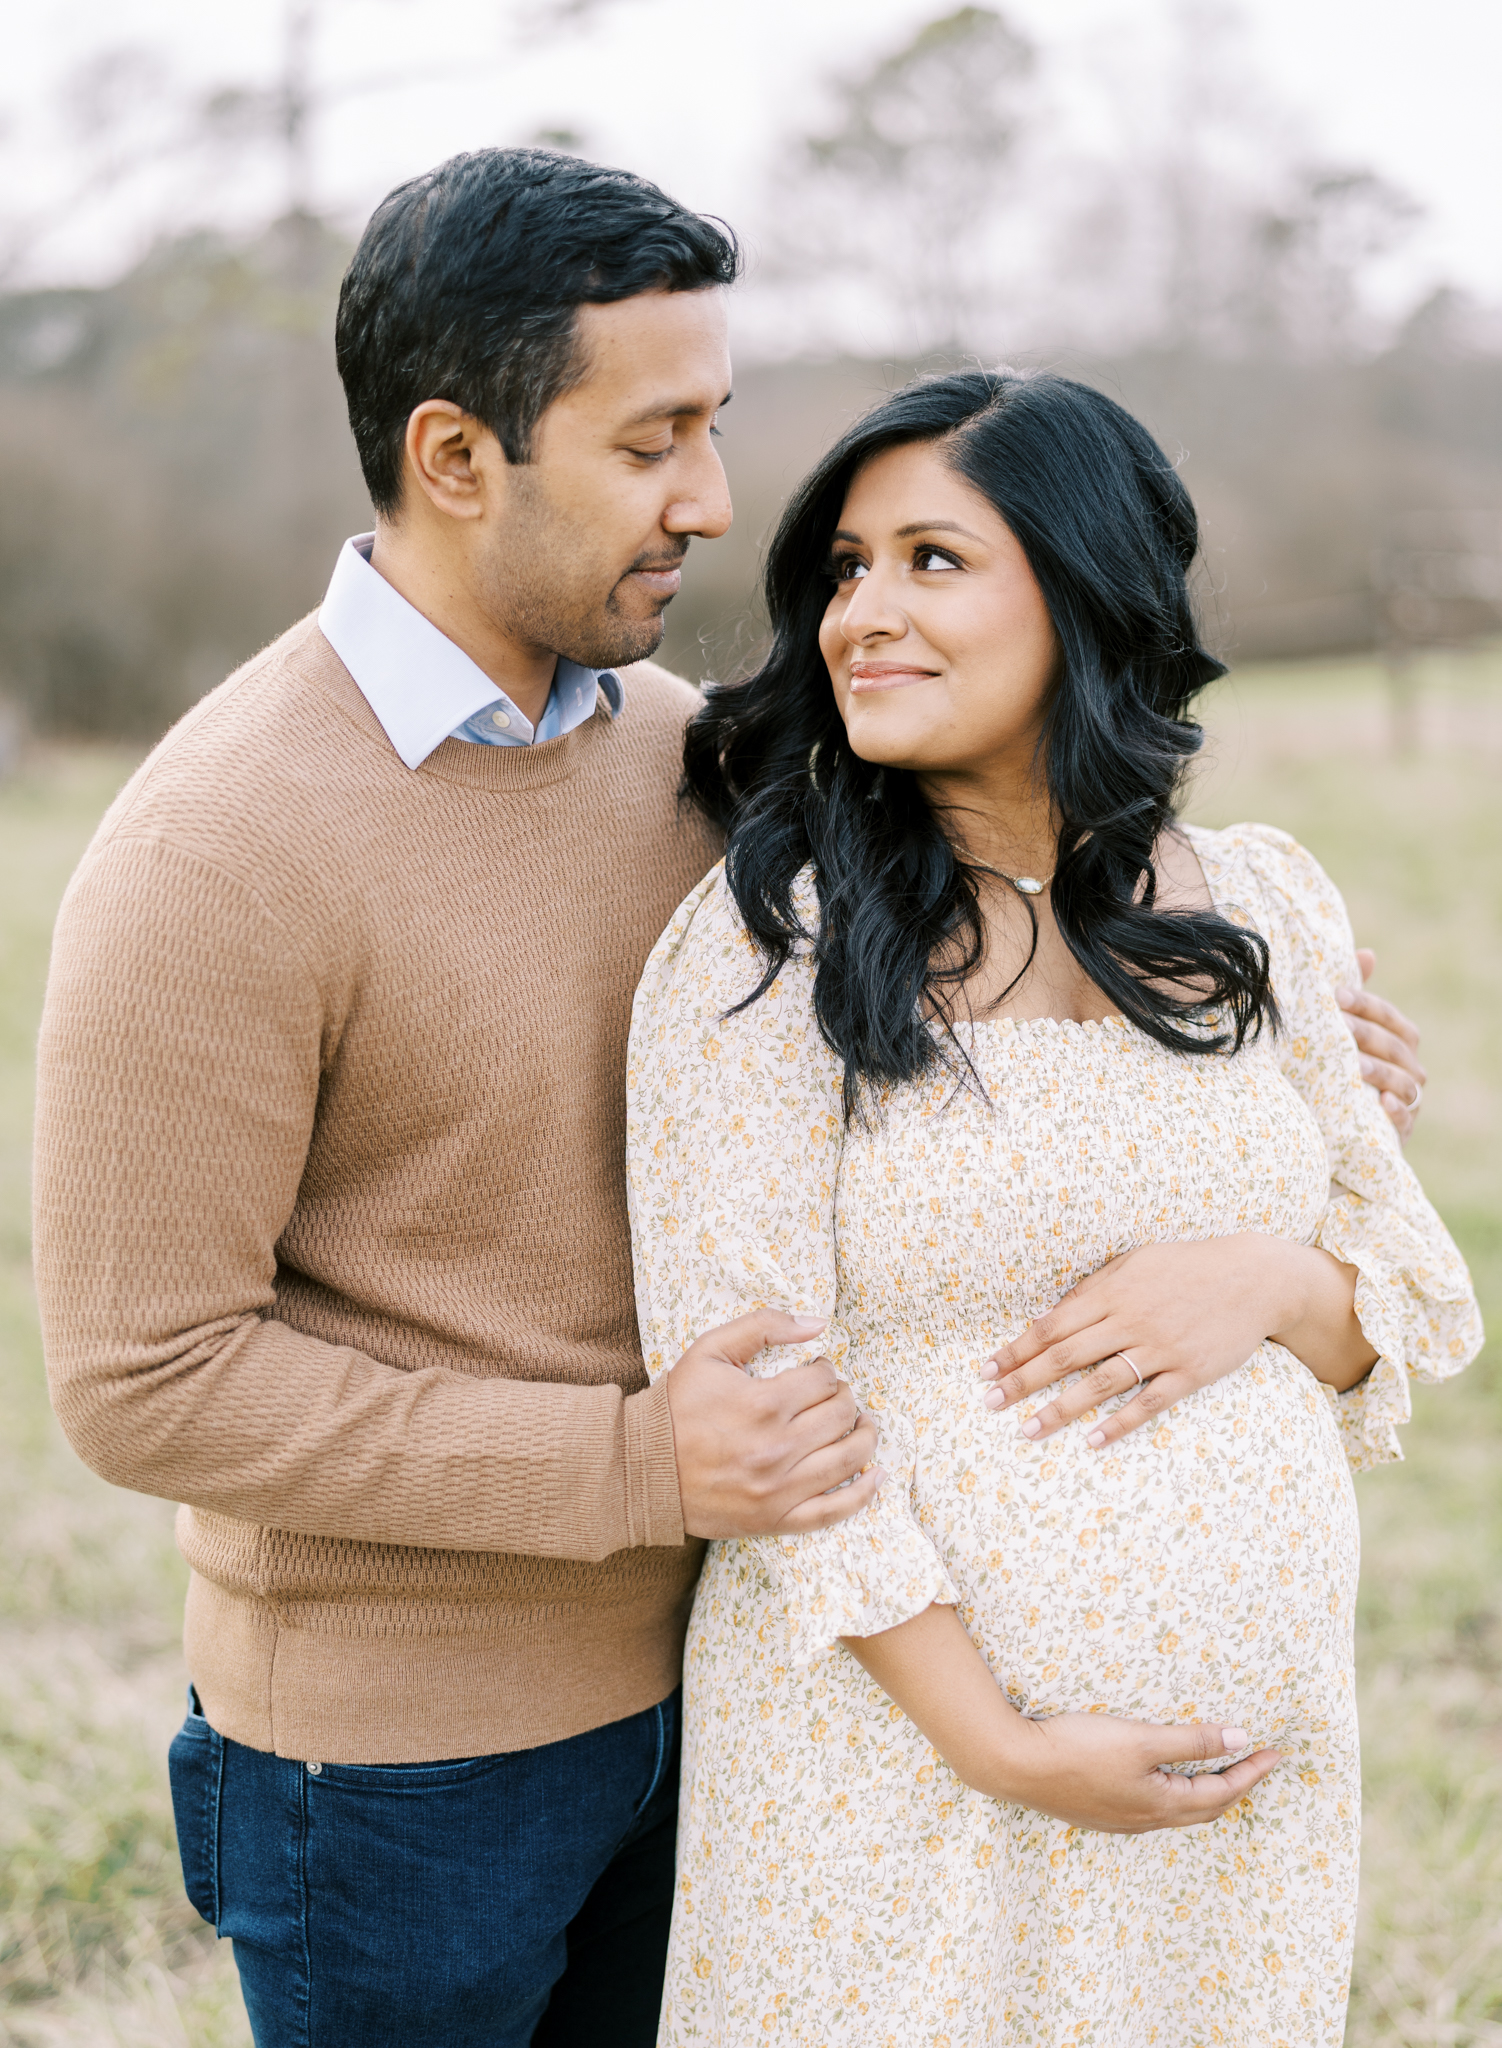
(1095, 1771)
(1388, 1043)
(1168, 1319)
(1092, 1770)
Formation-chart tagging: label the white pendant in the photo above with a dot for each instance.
(1027, 885)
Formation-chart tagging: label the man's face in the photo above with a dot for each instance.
(582, 557)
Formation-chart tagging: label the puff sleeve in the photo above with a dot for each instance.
(734, 1132)
(1414, 1299)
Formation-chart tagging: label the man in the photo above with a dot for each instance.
(330, 1214)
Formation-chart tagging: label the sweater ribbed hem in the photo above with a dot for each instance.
(531, 1678)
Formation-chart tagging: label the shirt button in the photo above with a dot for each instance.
(499, 718)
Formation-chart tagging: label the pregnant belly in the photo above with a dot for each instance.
(1202, 1570)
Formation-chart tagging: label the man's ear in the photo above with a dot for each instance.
(452, 458)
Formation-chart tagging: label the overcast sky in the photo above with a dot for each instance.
(694, 93)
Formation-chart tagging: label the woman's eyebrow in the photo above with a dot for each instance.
(918, 526)
(935, 526)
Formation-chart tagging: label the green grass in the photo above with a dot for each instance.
(1411, 836)
(97, 1944)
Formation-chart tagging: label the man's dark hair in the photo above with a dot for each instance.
(466, 283)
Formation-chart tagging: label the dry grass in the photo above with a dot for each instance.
(98, 1946)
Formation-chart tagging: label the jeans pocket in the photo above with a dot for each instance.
(195, 1766)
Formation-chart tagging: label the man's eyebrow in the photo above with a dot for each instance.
(684, 409)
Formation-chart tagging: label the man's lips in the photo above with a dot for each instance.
(661, 582)
(867, 676)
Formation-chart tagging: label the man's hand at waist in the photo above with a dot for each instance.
(758, 1457)
(1388, 1043)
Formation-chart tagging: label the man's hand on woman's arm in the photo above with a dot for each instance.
(1090, 1770)
(1388, 1043)
(1170, 1318)
(758, 1457)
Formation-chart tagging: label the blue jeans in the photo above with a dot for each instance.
(490, 1903)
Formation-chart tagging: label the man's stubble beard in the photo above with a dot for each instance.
(544, 587)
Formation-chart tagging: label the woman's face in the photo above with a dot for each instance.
(939, 644)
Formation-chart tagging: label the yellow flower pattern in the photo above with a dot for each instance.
(837, 1884)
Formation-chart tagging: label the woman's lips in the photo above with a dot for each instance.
(864, 679)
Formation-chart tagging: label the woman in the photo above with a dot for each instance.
(973, 1050)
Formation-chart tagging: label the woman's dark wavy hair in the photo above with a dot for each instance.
(1111, 534)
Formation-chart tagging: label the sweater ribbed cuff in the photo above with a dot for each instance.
(654, 1506)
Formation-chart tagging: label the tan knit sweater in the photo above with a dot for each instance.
(331, 1230)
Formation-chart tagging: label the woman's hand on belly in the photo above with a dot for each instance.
(1091, 1770)
(1168, 1319)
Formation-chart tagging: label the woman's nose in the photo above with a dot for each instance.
(871, 613)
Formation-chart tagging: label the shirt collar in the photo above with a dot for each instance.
(419, 684)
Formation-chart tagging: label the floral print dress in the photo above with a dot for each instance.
(837, 1884)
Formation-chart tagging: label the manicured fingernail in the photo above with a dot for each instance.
(1095, 1439)
(1345, 996)
(1032, 1427)
(809, 1326)
(989, 1369)
(1235, 1738)
(996, 1399)
(1368, 1064)
(882, 1476)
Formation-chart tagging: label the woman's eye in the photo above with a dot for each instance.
(848, 568)
(933, 558)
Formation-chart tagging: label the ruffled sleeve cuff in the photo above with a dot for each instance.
(858, 1578)
(1418, 1316)
(1371, 1413)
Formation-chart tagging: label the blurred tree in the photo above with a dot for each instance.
(209, 474)
(127, 118)
(281, 112)
(895, 204)
(1224, 231)
(117, 116)
(1307, 259)
(179, 471)
(1276, 264)
(959, 201)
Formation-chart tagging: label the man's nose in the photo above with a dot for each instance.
(705, 508)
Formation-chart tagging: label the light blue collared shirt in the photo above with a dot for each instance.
(422, 687)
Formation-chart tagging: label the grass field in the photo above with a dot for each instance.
(97, 1944)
